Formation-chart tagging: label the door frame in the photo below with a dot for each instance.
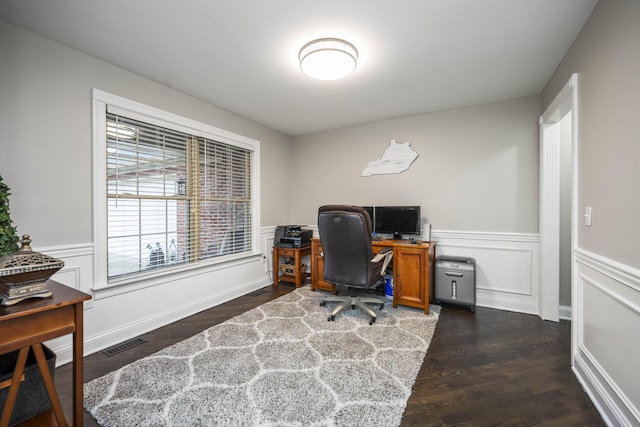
(565, 101)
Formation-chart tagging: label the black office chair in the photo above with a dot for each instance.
(345, 233)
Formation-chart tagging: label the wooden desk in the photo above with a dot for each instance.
(29, 323)
(297, 254)
(412, 271)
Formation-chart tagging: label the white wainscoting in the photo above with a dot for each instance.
(76, 273)
(606, 305)
(606, 325)
(506, 278)
(117, 314)
(507, 266)
(266, 237)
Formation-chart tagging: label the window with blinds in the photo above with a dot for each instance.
(174, 198)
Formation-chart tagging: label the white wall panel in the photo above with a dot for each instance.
(507, 266)
(121, 313)
(266, 237)
(76, 273)
(608, 347)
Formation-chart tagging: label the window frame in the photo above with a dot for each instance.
(122, 106)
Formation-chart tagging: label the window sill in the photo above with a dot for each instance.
(132, 284)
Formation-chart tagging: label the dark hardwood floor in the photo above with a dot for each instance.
(489, 368)
(498, 368)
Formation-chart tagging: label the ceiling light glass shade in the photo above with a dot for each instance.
(328, 59)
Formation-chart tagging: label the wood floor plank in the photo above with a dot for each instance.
(488, 368)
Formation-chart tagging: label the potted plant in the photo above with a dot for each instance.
(8, 236)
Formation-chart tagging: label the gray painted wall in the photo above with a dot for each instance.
(605, 54)
(477, 170)
(606, 296)
(46, 143)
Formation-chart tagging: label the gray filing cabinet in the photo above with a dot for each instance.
(456, 281)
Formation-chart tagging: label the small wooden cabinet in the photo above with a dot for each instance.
(295, 255)
(412, 277)
(412, 271)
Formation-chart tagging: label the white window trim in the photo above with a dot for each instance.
(139, 111)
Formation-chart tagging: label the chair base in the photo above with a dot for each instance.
(353, 301)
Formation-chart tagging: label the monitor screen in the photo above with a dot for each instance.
(369, 210)
(397, 220)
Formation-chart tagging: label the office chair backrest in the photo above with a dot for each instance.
(345, 233)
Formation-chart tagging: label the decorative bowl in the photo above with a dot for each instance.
(26, 267)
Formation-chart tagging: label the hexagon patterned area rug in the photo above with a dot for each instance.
(280, 364)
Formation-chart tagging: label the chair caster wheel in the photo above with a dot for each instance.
(323, 303)
(331, 318)
(372, 321)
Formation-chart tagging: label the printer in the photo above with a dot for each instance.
(292, 236)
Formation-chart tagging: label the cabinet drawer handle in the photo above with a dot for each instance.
(449, 273)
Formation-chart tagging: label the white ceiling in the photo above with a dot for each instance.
(415, 56)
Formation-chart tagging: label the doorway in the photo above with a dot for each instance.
(558, 202)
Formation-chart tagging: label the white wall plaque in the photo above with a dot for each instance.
(397, 158)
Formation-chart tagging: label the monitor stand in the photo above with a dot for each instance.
(397, 236)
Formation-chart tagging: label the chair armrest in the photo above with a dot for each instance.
(380, 255)
(384, 255)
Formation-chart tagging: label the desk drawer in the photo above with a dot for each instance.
(287, 252)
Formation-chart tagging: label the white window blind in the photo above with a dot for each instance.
(173, 198)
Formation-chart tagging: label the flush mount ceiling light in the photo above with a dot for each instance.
(328, 59)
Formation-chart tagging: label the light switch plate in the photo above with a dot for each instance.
(587, 216)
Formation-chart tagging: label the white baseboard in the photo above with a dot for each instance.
(565, 312)
(614, 411)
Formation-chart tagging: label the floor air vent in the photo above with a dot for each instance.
(123, 346)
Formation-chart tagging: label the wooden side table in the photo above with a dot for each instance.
(296, 254)
(29, 323)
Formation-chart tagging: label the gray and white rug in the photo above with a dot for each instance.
(280, 364)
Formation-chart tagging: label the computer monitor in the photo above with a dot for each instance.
(397, 220)
(369, 210)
